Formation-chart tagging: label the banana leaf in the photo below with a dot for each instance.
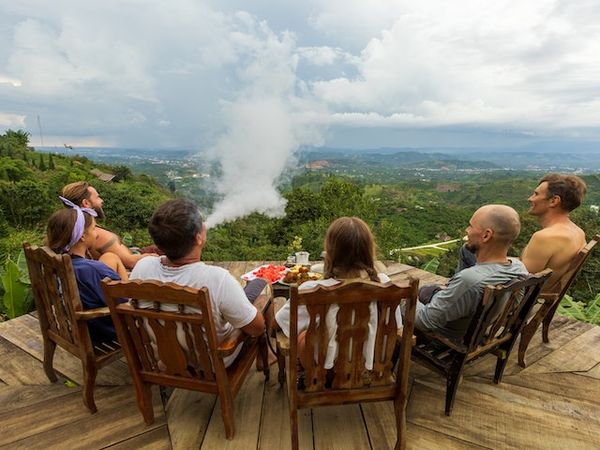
(15, 292)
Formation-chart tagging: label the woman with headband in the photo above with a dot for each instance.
(72, 230)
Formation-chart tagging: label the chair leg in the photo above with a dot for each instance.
(227, 414)
(526, 336)
(263, 351)
(452, 382)
(400, 407)
(546, 322)
(294, 427)
(500, 366)
(89, 382)
(49, 348)
(144, 399)
(281, 367)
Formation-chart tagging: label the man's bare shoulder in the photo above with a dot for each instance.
(560, 233)
(105, 238)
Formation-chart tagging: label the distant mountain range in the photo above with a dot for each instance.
(552, 155)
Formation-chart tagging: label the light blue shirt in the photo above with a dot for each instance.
(451, 309)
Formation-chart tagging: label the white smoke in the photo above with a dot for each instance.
(266, 124)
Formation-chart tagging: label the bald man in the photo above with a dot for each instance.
(449, 309)
(559, 240)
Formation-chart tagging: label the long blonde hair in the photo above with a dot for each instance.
(350, 249)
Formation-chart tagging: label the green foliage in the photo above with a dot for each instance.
(589, 312)
(25, 203)
(4, 228)
(17, 292)
(41, 163)
(11, 245)
(129, 205)
(14, 169)
(432, 265)
(122, 173)
(51, 165)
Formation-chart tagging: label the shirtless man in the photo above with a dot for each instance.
(559, 240)
(85, 196)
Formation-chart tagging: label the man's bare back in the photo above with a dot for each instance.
(559, 240)
(553, 247)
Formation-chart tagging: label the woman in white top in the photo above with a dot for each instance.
(350, 253)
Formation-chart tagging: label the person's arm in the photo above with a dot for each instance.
(448, 304)
(537, 254)
(109, 242)
(115, 263)
(256, 327)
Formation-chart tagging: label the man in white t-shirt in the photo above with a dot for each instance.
(177, 230)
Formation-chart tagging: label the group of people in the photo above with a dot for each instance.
(179, 233)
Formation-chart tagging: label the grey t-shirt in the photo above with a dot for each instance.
(451, 309)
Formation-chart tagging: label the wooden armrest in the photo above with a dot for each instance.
(283, 343)
(262, 303)
(548, 297)
(231, 342)
(90, 314)
(413, 340)
(444, 340)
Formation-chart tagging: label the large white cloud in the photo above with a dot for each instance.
(525, 65)
(157, 73)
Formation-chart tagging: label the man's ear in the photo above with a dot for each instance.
(555, 201)
(85, 203)
(487, 234)
(201, 239)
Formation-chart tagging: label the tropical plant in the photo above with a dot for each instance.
(17, 287)
(589, 313)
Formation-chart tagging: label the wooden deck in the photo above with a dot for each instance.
(552, 404)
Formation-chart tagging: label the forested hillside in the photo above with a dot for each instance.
(401, 214)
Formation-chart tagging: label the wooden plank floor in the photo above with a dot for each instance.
(552, 404)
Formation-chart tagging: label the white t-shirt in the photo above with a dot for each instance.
(230, 307)
(283, 319)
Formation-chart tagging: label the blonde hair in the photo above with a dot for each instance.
(77, 192)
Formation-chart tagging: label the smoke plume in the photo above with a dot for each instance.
(265, 126)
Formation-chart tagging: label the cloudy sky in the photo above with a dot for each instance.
(341, 73)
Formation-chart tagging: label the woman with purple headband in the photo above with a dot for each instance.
(72, 230)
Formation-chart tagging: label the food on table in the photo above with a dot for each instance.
(300, 274)
(270, 272)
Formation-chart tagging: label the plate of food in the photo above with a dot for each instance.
(298, 275)
(270, 272)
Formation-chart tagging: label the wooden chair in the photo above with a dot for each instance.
(552, 298)
(62, 319)
(493, 329)
(168, 346)
(349, 381)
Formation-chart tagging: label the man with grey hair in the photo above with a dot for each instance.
(449, 309)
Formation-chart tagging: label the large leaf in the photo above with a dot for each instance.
(432, 265)
(23, 269)
(570, 308)
(15, 293)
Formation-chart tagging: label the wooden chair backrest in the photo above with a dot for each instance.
(502, 311)
(168, 323)
(56, 296)
(353, 298)
(563, 284)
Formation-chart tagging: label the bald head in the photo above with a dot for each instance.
(502, 219)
